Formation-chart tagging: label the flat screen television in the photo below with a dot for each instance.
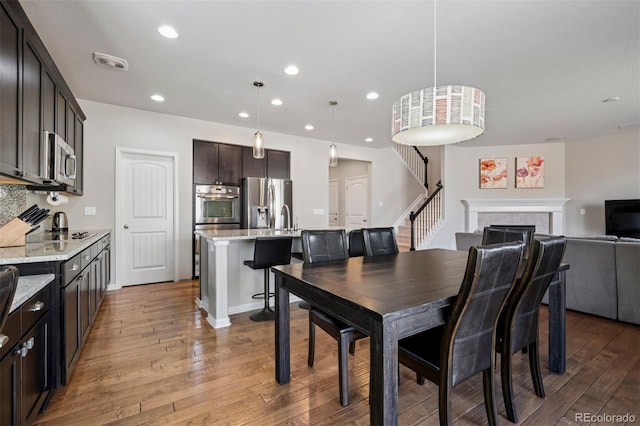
(622, 218)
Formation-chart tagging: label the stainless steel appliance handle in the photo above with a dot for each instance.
(272, 203)
(70, 159)
(218, 197)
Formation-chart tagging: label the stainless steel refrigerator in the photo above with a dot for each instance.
(267, 203)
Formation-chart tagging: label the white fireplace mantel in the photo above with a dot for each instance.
(553, 206)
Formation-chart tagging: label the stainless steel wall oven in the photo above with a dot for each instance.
(217, 204)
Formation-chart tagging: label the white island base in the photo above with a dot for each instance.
(226, 284)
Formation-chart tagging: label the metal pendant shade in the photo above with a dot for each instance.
(438, 115)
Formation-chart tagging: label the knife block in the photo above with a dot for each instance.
(12, 233)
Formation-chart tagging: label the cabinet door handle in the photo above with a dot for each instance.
(36, 306)
(29, 343)
(75, 267)
(4, 339)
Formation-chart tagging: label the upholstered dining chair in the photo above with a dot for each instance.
(356, 244)
(8, 284)
(379, 241)
(323, 246)
(518, 321)
(464, 345)
(505, 233)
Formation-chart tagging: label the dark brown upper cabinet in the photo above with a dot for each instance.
(278, 164)
(10, 144)
(216, 163)
(34, 98)
(252, 167)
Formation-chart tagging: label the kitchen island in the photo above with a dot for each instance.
(226, 284)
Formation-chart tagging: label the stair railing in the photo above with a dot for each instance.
(426, 219)
(415, 161)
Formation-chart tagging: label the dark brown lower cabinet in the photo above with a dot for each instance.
(82, 297)
(71, 321)
(24, 369)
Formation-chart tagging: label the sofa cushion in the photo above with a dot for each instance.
(628, 280)
(591, 278)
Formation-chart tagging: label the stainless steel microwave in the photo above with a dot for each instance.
(58, 160)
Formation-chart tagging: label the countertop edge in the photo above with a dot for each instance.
(244, 234)
(29, 285)
(9, 255)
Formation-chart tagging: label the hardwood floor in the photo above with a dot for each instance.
(152, 359)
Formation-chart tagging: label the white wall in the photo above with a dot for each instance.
(460, 178)
(599, 169)
(111, 126)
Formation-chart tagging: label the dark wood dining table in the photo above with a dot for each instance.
(389, 298)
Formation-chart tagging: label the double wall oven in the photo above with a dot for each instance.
(216, 207)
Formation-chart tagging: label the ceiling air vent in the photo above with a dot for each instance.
(110, 62)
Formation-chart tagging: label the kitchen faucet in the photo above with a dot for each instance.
(284, 206)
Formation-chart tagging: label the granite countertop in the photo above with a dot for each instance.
(28, 286)
(40, 248)
(244, 234)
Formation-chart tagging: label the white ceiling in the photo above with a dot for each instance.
(545, 66)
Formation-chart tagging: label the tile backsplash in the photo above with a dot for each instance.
(13, 201)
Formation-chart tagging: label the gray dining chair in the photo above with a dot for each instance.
(464, 346)
(320, 247)
(379, 241)
(518, 321)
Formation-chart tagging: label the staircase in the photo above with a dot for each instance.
(425, 212)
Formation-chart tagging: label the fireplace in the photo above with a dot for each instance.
(546, 214)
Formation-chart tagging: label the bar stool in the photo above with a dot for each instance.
(268, 252)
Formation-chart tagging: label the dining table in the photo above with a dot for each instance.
(389, 298)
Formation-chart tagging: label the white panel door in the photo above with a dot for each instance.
(333, 203)
(357, 202)
(145, 218)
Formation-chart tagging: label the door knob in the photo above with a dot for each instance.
(126, 227)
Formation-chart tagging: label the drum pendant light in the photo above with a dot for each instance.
(258, 142)
(438, 115)
(333, 150)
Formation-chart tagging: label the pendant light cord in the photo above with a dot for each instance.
(258, 97)
(434, 45)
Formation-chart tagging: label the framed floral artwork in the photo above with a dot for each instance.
(493, 173)
(530, 172)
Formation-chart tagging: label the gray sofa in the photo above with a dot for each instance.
(603, 278)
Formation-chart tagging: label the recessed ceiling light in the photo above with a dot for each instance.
(614, 99)
(157, 98)
(291, 70)
(243, 115)
(168, 31)
(372, 95)
(276, 102)
(368, 140)
(308, 127)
